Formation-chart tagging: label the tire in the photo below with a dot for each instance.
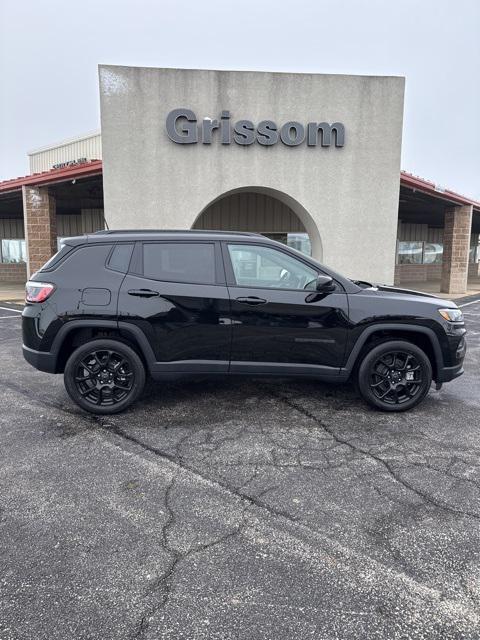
(394, 376)
(104, 376)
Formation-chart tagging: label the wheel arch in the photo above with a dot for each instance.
(78, 332)
(423, 337)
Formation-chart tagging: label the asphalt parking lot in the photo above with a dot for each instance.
(237, 510)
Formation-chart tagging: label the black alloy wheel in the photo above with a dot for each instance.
(395, 376)
(104, 376)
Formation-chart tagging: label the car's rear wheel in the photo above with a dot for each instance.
(394, 376)
(104, 376)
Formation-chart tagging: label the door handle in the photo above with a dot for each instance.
(251, 300)
(143, 293)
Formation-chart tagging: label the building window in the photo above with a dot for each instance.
(474, 255)
(410, 252)
(432, 253)
(13, 251)
(419, 252)
(298, 241)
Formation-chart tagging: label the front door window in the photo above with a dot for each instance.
(257, 266)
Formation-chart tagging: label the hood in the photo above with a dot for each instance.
(408, 292)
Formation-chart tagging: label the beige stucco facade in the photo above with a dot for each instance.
(346, 197)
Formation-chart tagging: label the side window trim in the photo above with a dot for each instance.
(220, 275)
(136, 262)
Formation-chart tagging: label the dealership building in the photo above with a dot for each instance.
(311, 160)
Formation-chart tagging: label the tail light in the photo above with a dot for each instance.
(38, 291)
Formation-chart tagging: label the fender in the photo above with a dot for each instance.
(361, 340)
(126, 328)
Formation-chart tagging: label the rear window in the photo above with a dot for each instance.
(120, 257)
(55, 259)
(180, 262)
(84, 261)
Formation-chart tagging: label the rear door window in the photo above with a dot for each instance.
(179, 262)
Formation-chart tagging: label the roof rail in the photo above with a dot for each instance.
(199, 231)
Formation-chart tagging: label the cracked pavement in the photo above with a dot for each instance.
(237, 509)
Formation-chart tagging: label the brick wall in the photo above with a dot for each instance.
(417, 272)
(434, 271)
(14, 272)
(410, 273)
(456, 246)
(40, 229)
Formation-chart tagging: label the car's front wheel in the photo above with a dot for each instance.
(104, 376)
(394, 376)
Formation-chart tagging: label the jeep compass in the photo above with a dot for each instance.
(112, 307)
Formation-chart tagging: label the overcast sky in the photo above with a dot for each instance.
(50, 49)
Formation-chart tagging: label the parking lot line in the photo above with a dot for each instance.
(9, 309)
(467, 304)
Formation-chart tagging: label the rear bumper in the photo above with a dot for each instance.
(41, 360)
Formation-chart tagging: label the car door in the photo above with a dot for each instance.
(280, 323)
(175, 292)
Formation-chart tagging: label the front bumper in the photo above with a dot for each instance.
(445, 374)
(41, 360)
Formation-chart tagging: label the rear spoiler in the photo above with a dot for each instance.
(74, 240)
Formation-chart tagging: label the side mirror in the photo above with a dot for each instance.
(324, 284)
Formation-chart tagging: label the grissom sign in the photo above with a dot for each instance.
(183, 128)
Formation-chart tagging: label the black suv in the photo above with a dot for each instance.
(112, 306)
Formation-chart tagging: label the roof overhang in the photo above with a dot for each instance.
(54, 176)
(95, 168)
(415, 183)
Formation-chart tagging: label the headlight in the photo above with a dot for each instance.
(452, 315)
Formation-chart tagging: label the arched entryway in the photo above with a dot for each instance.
(266, 211)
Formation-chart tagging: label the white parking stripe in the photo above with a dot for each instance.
(5, 317)
(469, 303)
(8, 309)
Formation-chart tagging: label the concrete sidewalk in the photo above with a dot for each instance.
(12, 292)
